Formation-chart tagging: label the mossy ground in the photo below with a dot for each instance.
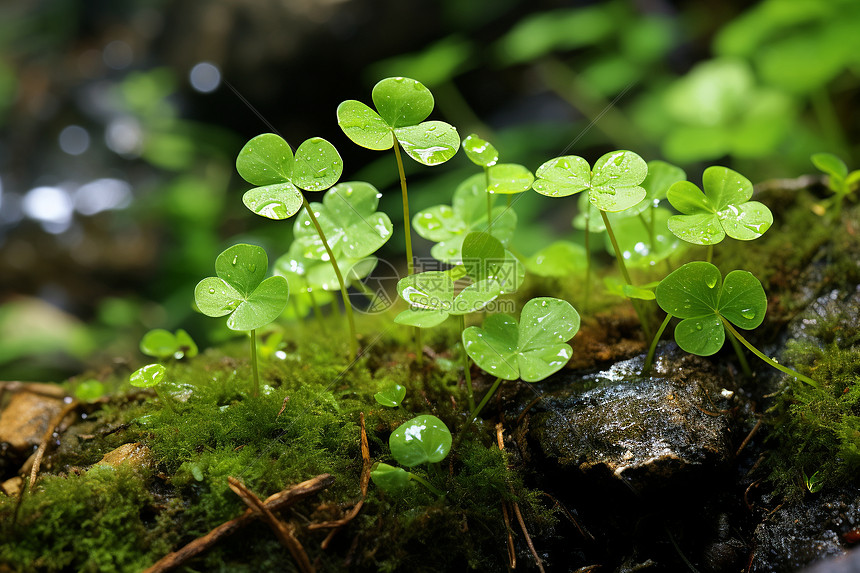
(305, 422)
(102, 519)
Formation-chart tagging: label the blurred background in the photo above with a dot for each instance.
(120, 123)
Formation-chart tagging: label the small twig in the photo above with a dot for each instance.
(512, 555)
(46, 438)
(749, 437)
(747, 491)
(281, 500)
(283, 407)
(284, 531)
(582, 531)
(526, 409)
(336, 524)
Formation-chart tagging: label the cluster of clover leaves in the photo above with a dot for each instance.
(334, 242)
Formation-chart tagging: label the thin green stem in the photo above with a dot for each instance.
(653, 348)
(650, 229)
(646, 328)
(587, 263)
(770, 361)
(474, 413)
(745, 366)
(407, 223)
(466, 366)
(710, 255)
(489, 199)
(426, 484)
(407, 229)
(254, 363)
(353, 338)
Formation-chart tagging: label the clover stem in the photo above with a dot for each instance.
(710, 256)
(650, 229)
(407, 229)
(745, 366)
(642, 319)
(587, 263)
(254, 363)
(653, 348)
(407, 224)
(474, 413)
(489, 198)
(426, 484)
(770, 361)
(466, 366)
(353, 344)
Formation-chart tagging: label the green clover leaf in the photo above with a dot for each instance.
(613, 184)
(661, 176)
(532, 349)
(163, 344)
(431, 298)
(350, 222)
(448, 225)
(480, 151)
(423, 439)
(388, 477)
(485, 259)
(509, 179)
(722, 209)
(148, 376)
(268, 162)
(402, 105)
(560, 259)
(240, 291)
(390, 396)
(697, 294)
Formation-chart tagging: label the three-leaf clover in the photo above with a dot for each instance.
(240, 291)
(448, 225)
(724, 208)
(697, 293)
(402, 105)
(431, 298)
(268, 162)
(151, 376)
(350, 222)
(532, 349)
(423, 439)
(613, 184)
(839, 180)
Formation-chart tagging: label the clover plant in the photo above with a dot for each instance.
(447, 226)
(503, 178)
(612, 186)
(241, 293)
(709, 307)
(723, 208)
(839, 180)
(163, 344)
(402, 105)
(267, 161)
(390, 396)
(151, 376)
(530, 349)
(424, 439)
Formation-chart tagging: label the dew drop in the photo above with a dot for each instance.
(543, 304)
(698, 326)
(211, 291)
(712, 282)
(748, 313)
(235, 259)
(252, 267)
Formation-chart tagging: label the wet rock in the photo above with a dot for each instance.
(644, 431)
(25, 419)
(135, 454)
(848, 563)
(831, 318)
(801, 533)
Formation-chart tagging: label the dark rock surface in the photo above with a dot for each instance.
(802, 533)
